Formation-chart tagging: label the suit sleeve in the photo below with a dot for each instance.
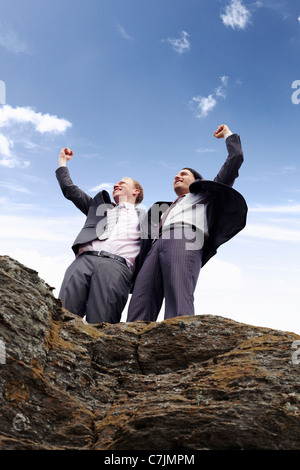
(81, 200)
(230, 169)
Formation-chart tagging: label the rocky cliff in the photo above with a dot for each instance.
(202, 382)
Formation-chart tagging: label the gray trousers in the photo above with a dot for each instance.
(170, 271)
(96, 287)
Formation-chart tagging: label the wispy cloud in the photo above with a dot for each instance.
(100, 187)
(283, 209)
(271, 232)
(236, 15)
(42, 123)
(274, 222)
(281, 7)
(9, 206)
(10, 40)
(6, 154)
(205, 150)
(222, 89)
(14, 187)
(204, 105)
(33, 228)
(123, 32)
(181, 44)
(168, 165)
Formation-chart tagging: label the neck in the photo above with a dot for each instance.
(180, 194)
(125, 199)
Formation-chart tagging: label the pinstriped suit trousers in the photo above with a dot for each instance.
(170, 271)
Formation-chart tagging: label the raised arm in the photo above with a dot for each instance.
(70, 190)
(229, 171)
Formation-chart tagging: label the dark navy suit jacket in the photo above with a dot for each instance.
(226, 208)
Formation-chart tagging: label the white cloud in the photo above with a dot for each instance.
(204, 105)
(5, 146)
(11, 162)
(244, 295)
(42, 123)
(236, 15)
(26, 115)
(180, 45)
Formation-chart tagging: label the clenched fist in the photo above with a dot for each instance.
(65, 155)
(221, 131)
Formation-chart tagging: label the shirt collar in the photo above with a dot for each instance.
(127, 205)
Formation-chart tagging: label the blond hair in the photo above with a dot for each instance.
(137, 185)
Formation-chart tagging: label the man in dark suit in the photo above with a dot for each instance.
(98, 282)
(184, 235)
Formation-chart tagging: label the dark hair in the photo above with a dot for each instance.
(194, 172)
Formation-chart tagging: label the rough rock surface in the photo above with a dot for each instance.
(202, 382)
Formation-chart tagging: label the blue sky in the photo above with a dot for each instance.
(137, 88)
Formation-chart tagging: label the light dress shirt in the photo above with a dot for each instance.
(124, 239)
(189, 210)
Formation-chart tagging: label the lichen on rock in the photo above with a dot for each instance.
(193, 382)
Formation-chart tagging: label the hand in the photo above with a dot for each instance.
(221, 131)
(65, 155)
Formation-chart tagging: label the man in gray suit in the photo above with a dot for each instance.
(98, 282)
(185, 234)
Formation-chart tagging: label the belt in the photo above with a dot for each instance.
(105, 254)
(173, 227)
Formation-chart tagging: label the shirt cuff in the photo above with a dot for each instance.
(228, 134)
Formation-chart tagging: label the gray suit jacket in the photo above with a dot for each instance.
(94, 208)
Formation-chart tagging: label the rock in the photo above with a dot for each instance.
(193, 382)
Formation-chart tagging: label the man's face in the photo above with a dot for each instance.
(182, 182)
(124, 191)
